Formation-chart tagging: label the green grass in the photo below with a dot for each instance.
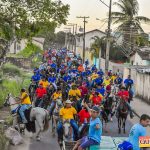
(13, 79)
(11, 69)
(30, 50)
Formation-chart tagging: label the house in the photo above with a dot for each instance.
(141, 58)
(18, 46)
(88, 42)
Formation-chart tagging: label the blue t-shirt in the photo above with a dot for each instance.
(53, 65)
(136, 131)
(35, 78)
(52, 79)
(100, 73)
(99, 81)
(94, 133)
(101, 91)
(128, 82)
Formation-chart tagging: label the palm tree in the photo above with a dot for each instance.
(98, 47)
(129, 21)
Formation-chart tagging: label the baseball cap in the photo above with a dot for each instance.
(95, 108)
(68, 102)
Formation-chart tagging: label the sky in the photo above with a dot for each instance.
(95, 9)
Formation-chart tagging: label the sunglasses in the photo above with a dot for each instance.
(93, 111)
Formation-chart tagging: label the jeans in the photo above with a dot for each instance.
(52, 107)
(73, 125)
(22, 109)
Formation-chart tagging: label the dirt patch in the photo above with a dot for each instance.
(4, 113)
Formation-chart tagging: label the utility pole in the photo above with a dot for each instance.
(108, 39)
(84, 21)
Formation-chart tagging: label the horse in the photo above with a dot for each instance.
(122, 115)
(67, 134)
(37, 114)
(55, 115)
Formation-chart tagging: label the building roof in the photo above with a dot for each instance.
(145, 55)
(92, 31)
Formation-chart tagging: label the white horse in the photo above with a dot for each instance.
(55, 116)
(37, 114)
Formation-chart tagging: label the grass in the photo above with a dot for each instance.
(30, 50)
(3, 139)
(13, 79)
(11, 69)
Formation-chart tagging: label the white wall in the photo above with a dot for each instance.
(88, 39)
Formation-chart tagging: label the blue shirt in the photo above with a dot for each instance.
(52, 79)
(94, 133)
(118, 80)
(101, 91)
(35, 78)
(136, 131)
(53, 65)
(99, 81)
(128, 82)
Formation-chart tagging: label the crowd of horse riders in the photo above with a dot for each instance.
(78, 97)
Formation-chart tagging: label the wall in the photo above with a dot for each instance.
(141, 83)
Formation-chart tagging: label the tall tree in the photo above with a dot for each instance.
(129, 21)
(27, 18)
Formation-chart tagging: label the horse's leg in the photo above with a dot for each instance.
(124, 125)
(119, 125)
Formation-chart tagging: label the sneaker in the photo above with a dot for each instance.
(25, 121)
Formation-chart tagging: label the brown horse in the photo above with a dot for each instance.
(122, 115)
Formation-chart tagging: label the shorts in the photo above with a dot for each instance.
(86, 142)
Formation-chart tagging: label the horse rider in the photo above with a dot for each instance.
(56, 95)
(40, 92)
(67, 113)
(75, 95)
(124, 95)
(128, 83)
(25, 104)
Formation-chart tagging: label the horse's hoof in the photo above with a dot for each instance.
(38, 138)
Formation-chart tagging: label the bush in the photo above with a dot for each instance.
(11, 69)
(13, 87)
(30, 50)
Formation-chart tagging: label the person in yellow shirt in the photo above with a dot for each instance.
(74, 93)
(67, 113)
(94, 76)
(25, 104)
(57, 95)
(113, 77)
(44, 82)
(107, 81)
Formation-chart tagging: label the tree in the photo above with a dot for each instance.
(27, 18)
(98, 45)
(129, 21)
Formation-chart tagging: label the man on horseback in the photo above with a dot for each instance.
(25, 104)
(128, 82)
(67, 113)
(124, 95)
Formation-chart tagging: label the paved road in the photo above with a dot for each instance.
(48, 142)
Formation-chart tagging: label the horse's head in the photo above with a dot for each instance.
(9, 100)
(66, 127)
(7, 103)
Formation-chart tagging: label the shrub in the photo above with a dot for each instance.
(30, 50)
(11, 69)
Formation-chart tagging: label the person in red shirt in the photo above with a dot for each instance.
(84, 116)
(83, 89)
(40, 92)
(96, 99)
(124, 95)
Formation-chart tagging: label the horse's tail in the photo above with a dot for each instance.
(46, 122)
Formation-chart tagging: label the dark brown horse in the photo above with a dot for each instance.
(122, 115)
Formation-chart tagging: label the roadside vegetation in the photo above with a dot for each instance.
(12, 80)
